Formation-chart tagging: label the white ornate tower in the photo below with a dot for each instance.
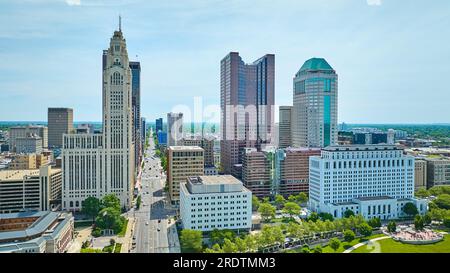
(117, 120)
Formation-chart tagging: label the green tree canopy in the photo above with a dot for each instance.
(335, 243)
(302, 198)
(326, 216)
(418, 222)
(375, 222)
(110, 218)
(313, 217)
(348, 213)
(255, 203)
(438, 190)
(443, 201)
(392, 227)
(279, 200)
(229, 246)
(422, 193)
(111, 201)
(410, 209)
(365, 229)
(218, 236)
(267, 211)
(291, 208)
(91, 207)
(349, 235)
(191, 241)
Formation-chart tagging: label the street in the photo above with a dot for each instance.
(153, 233)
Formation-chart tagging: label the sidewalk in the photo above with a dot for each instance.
(364, 243)
(172, 238)
(83, 235)
(127, 240)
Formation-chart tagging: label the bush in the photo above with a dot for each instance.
(375, 222)
(335, 243)
(97, 232)
(349, 235)
(447, 222)
(348, 213)
(365, 229)
(392, 227)
(418, 222)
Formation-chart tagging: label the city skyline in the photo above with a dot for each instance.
(403, 52)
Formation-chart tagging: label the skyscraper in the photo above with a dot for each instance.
(100, 164)
(60, 121)
(158, 125)
(174, 128)
(284, 126)
(247, 96)
(136, 108)
(314, 114)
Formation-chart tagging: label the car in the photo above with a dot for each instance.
(159, 220)
(158, 229)
(146, 223)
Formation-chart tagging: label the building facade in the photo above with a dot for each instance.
(291, 170)
(158, 125)
(257, 172)
(207, 143)
(314, 113)
(22, 190)
(182, 162)
(60, 122)
(215, 202)
(420, 174)
(284, 127)
(174, 128)
(247, 95)
(26, 131)
(371, 180)
(438, 172)
(136, 111)
(100, 164)
(36, 232)
(29, 145)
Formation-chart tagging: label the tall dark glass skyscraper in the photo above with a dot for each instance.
(136, 109)
(158, 125)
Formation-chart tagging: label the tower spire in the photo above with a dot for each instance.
(120, 23)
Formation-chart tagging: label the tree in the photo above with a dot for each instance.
(317, 249)
(110, 218)
(443, 201)
(279, 200)
(191, 241)
(392, 227)
(438, 190)
(335, 243)
(91, 207)
(229, 247)
(138, 202)
(291, 208)
(292, 198)
(447, 221)
(241, 245)
(375, 222)
(349, 235)
(302, 198)
(365, 230)
(410, 209)
(422, 193)
(313, 217)
(255, 203)
(418, 222)
(218, 236)
(111, 201)
(427, 219)
(348, 213)
(326, 216)
(267, 211)
(215, 249)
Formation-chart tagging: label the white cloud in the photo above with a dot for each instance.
(374, 2)
(73, 2)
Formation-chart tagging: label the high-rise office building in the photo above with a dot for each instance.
(158, 125)
(420, 174)
(60, 121)
(100, 164)
(284, 126)
(29, 145)
(314, 113)
(438, 172)
(174, 128)
(136, 109)
(143, 133)
(26, 131)
(247, 97)
(371, 180)
(206, 142)
(182, 162)
(257, 172)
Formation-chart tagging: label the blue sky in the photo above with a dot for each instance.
(392, 56)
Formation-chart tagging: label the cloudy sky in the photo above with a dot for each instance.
(392, 56)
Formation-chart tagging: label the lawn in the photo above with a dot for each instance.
(118, 248)
(124, 229)
(391, 246)
(346, 245)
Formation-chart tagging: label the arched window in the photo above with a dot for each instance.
(71, 204)
(116, 79)
(77, 204)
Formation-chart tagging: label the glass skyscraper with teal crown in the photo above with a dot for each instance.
(314, 113)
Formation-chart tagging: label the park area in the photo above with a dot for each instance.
(391, 246)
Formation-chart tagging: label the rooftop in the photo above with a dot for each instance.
(370, 147)
(372, 198)
(315, 64)
(13, 175)
(185, 148)
(214, 179)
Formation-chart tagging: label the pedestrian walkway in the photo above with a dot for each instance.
(127, 240)
(365, 243)
(172, 238)
(83, 235)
